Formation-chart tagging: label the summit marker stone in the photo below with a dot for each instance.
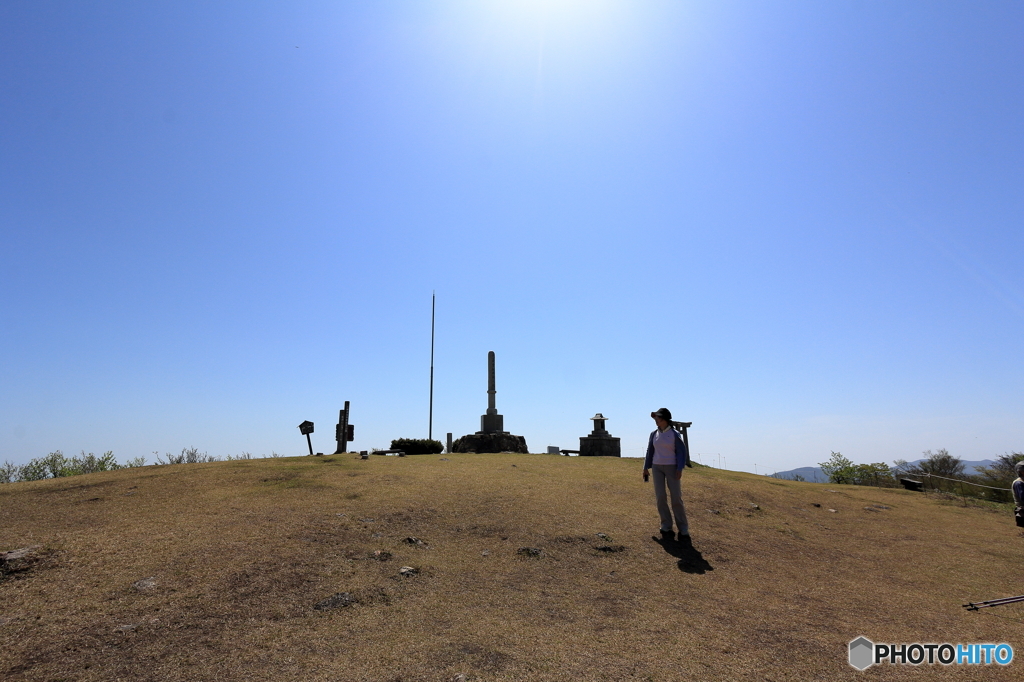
(492, 436)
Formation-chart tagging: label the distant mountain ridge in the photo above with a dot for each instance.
(815, 475)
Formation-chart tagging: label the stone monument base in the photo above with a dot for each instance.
(596, 446)
(490, 442)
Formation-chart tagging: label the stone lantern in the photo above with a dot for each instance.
(599, 443)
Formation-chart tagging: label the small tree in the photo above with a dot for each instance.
(838, 469)
(8, 472)
(35, 470)
(1000, 475)
(1003, 470)
(941, 463)
(877, 474)
(56, 464)
(90, 464)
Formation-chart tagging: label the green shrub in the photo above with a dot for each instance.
(187, 456)
(8, 472)
(418, 446)
(89, 464)
(36, 470)
(839, 469)
(55, 464)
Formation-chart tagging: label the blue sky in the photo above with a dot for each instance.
(797, 225)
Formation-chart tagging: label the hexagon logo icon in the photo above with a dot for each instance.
(862, 652)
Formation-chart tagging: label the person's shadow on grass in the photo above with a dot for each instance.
(690, 558)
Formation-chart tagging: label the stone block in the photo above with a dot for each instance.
(596, 446)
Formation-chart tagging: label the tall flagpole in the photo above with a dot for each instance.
(430, 425)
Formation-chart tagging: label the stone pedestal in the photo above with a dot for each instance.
(598, 446)
(490, 442)
(492, 423)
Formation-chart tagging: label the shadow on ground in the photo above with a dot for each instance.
(690, 558)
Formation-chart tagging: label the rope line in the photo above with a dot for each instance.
(980, 485)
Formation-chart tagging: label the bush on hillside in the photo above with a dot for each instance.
(57, 465)
(940, 464)
(418, 446)
(1002, 472)
(187, 456)
(841, 470)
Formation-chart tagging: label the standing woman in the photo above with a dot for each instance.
(667, 455)
(1018, 494)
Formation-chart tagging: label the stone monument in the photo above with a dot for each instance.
(492, 436)
(599, 443)
(491, 422)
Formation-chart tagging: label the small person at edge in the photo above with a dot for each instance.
(667, 455)
(1018, 494)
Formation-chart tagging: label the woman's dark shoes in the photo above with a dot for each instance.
(684, 539)
(668, 535)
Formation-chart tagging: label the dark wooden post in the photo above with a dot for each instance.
(306, 428)
(342, 430)
(682, 427)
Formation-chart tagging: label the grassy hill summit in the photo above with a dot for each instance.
(488, 567)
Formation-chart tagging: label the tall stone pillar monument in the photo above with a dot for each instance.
(492, 422)
(492, 436)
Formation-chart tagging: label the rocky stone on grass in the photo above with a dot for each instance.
(408, 571)
(144, 584)
(381, 555)
(610, 549)
(17, 560)
(15, 554)
(414, 541)
(530, 552)
(335, 601)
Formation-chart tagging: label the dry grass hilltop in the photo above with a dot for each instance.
(487, 567)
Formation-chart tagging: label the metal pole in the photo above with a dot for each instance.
(310, 443)
(430, 422)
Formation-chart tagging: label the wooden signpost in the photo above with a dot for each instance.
(306, 428)
(344, 432)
